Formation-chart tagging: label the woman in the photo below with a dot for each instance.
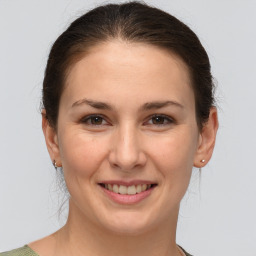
(128, 110)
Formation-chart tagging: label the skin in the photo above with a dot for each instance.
(126, 143)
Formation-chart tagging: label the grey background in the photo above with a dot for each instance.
(217, 216)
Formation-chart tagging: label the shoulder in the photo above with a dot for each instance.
(23, 251)
(186, 253)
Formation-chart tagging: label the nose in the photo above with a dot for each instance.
(126, 151)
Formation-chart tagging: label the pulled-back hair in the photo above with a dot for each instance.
(131, 22)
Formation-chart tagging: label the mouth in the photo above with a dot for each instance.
(127, 190)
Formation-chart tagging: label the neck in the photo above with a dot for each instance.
(81, 237)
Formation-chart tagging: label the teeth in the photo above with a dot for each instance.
(127, 190)
(144, 187)
(115, 188)
(131, 190)
(110, 187)
(122, 190)
(138, 188)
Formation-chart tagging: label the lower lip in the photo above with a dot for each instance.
(127, 199)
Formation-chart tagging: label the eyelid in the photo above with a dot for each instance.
(88, 117)
(170, 119)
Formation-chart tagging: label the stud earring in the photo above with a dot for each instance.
(202, 161)
(55, 164)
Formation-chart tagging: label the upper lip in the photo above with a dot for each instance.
(127, 183)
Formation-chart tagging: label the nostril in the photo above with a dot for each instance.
(126, 157)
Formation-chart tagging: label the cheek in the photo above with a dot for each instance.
(81, 153)
(173, 155)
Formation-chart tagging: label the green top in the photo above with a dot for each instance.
(23, 251)
(27, 251)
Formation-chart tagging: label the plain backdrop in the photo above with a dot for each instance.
(218, 214)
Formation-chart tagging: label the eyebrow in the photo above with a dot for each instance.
(92, 103)
(160, 104)
(144, 107)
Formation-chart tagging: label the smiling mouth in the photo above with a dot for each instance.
(127, 190)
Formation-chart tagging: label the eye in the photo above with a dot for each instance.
(160, 120)
(95, 120)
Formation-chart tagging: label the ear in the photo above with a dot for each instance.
(206, 140)
(51, 139)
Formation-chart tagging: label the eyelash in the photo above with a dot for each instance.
(90, 117)
(167, 120)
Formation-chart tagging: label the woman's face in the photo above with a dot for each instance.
(127, 122)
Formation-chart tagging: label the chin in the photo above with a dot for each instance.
(126, 229)
(130, 223)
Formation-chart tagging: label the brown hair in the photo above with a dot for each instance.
(132, 22)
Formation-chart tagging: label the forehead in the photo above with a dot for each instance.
(113, 68)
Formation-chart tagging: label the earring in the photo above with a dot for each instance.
(202, 161)
(55, 164)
